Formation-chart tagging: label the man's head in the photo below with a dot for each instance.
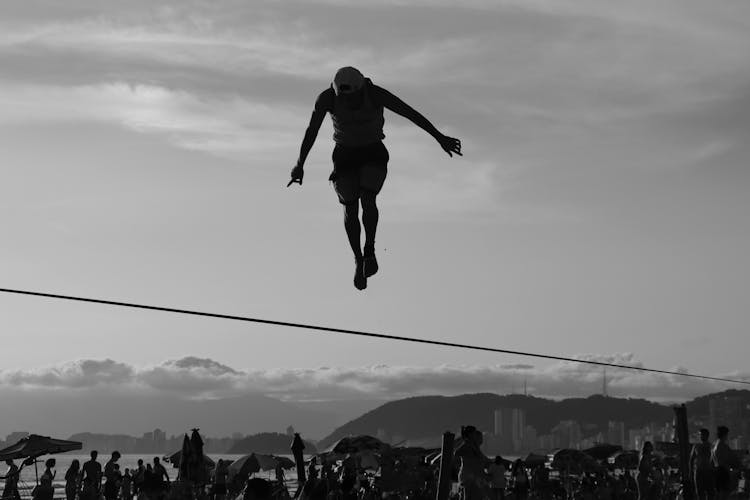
(94, 454)
(722, 432)
(115, 456)
(140, 462)
(348, 80)
(156, 460)
(704, 435)
(9, 462)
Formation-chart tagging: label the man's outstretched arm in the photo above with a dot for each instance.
(393, 103)
(311, 134)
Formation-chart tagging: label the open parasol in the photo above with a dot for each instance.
(34, 445)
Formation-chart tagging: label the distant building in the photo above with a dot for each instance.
(567, 434)
(510, 425)
(546, 442)
(160, 440)
(529, 438)
(237, 436)
(616, 433)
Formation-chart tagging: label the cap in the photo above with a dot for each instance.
(347, 80)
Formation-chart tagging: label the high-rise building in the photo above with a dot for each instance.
(160, 440)
(616, 433)
(510, 425)
(567, 434)
(530, 439)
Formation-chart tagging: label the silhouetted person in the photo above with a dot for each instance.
(148, 487)
(161, 479)
(724, 460)
(312, 468)
(472, 464)
(258, 489)
(71, 479)
(139, 477)
(360, 158)
(46, 489)
(701, 468)
(111, 485)
(126, 487)
(220, 480)
(10, 490)
(496, 471)
(92, 477)
(520, 480)
(645, 471)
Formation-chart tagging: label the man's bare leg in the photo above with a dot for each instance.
(353, 231)
(370, 217)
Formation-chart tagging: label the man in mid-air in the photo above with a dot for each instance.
(360, 158)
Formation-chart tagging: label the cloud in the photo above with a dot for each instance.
(79, 374)
(231, 127)
(194, 377)
(533, 88)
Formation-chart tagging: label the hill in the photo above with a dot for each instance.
(420, 418)
(700, 405)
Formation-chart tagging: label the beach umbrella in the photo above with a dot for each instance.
(568, 458)
(184, 459)
(356, 444)
(602, 451)
(269, 462)
(196, 442)
(627, 459)
(534, 459)
(286, 462)
(256, 462)
(175, 458)
(34, 445)
(244, 466)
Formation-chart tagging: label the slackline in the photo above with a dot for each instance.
(362, 334)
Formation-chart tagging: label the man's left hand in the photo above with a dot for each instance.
(450, 145)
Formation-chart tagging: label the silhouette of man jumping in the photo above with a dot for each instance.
(360, 158)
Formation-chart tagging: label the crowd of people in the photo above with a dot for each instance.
(715, 471)
(92, 482)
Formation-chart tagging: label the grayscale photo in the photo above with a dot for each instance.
(374, 250)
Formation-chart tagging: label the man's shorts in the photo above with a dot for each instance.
(357, 169)
(723, 479)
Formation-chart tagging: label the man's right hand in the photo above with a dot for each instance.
(297, 174)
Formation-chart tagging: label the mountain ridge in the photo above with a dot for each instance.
(422, 417)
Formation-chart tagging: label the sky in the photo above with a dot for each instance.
(599, 211)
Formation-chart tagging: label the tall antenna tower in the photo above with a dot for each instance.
(604, 383)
